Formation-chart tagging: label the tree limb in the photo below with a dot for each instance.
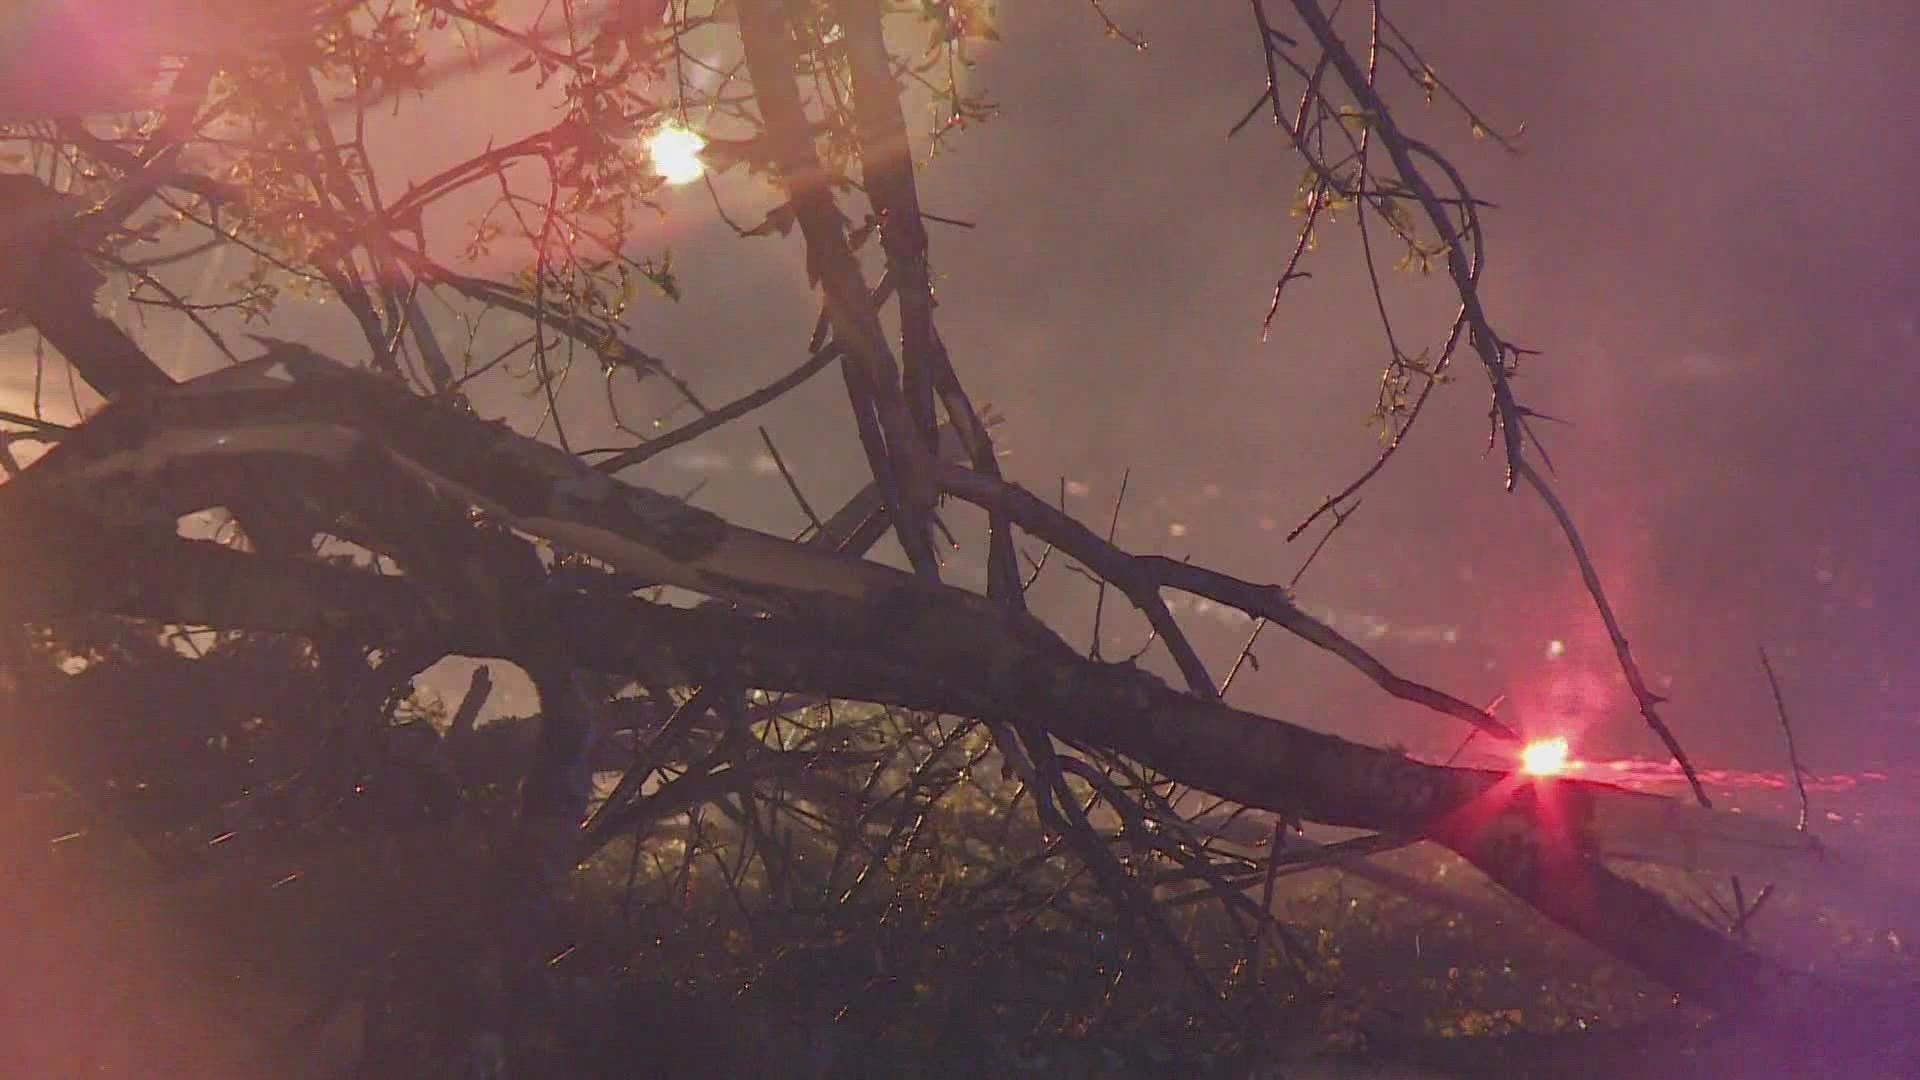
(899, 453)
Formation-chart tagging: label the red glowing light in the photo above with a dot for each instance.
(1544, 757)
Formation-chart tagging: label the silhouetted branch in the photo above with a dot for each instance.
(822, 355)
(1141, 576)
(1635, 681)
(898, 451)
(1465, 261)
(1786, 729)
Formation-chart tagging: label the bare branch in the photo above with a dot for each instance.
(1141, 576)
(1649, 701)
(898, 452)
(1465, 262)
(1786, 729)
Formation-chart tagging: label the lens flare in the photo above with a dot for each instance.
(676, 154)
(1544, 757)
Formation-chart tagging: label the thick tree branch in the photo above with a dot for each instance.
(48, 280)
(1540, 840)
(886, 164)
(61, 562)
(897, 450)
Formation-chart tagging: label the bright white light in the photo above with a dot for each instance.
(1556, 649)
(676, 154)
(1544, 757)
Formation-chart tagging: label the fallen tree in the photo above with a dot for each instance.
(801, 620)
(505, 546)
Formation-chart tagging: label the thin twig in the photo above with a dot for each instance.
(1649, 701)
(1339, 519)
(1245, 656)
(792, 484)
(1786, 728)
(1259, 624)
(1113, 30)
(822, 356)
(1739, 908)
(1046, 552)
(1100, 595)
